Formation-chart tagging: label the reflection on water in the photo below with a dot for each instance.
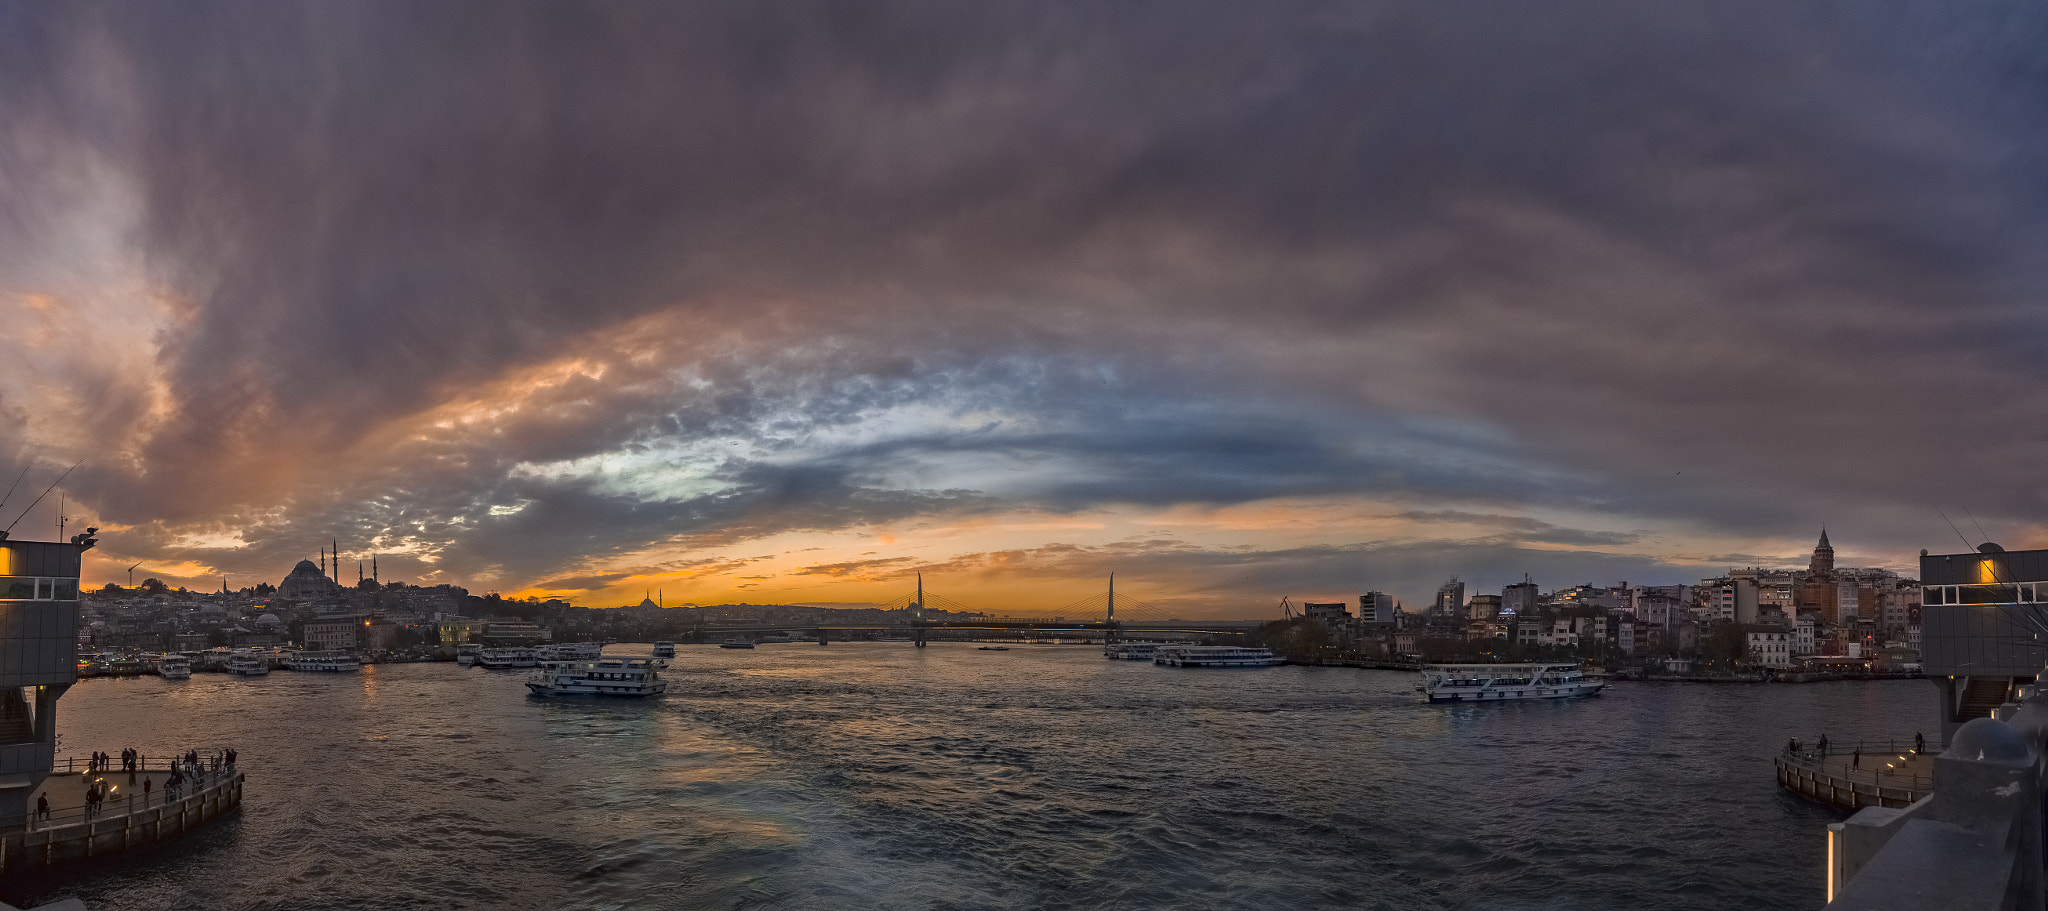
(878, 776)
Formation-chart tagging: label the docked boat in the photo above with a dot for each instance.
(733, 643)
(173, 666)
(1501, 682)
(664, 649)
(569, 651)
(993, 648)
(322, 662)
(501, 658)
(1131, 651)
(248, 663)
(1215, 656)
(465, 654)
(628, 677)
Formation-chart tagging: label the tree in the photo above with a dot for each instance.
(154, 586)
(265, 588)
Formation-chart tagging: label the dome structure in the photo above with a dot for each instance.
(308, 583)
(268, 620)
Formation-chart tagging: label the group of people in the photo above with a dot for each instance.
(185, 768)
(1855, 755)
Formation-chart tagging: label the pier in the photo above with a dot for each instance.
(1870, 774)
(127, 819)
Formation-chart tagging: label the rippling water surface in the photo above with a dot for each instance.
(879, 776)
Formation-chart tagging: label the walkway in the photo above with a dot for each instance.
(126, 819)
(1858, 774)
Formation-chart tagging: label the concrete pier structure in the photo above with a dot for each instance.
(38, 660)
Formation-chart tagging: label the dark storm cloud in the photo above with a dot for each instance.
(1745, 265)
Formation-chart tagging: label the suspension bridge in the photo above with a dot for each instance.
(1106, 616)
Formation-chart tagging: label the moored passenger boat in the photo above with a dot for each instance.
(1501, 682)
(628, 677)
(664, 649)
(500, 658)
(322, 662)
(1131, 651)
(173, 666)
(569, 651)
(735, 642)
(1215, 656)
(465, 654)
(248, 663)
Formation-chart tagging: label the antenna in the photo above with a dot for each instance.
(46, 492)
(61, 517)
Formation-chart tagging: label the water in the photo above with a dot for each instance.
(877, 776)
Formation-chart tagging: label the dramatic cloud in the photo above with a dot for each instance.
(793, 299)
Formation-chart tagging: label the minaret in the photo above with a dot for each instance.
(359, 573)
(373, 570)
(323, 562)
(1823, 562)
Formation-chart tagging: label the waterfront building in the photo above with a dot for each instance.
(1377, 608)
(1450, 601)
(1982, 622)
(38, 660)
(459, 630)
(336, 632)
(1519, 598)
(1769, 646)
(1485, 607)
(1328, 611)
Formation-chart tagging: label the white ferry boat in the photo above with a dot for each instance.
(500, 658)
(173, 666)
(465, 654)
(1215, 656)
(248, 664)
(1131, 651)
(322, 662)
(1499, 682)
(569, 651)
(664, 649)
(629, 677)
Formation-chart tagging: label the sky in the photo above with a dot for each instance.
(792, 302)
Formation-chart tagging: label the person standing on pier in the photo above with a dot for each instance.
(1823, 746)
(145, 792)
(1856, 759)
(43, 807)
(1919, 743)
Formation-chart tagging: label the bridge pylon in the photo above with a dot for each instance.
(1109, 627)
(917, 615)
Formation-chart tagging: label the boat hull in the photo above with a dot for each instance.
(545, 690)
(1509, 694)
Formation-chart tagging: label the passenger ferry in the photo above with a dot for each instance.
(1131, 651)
(569, 651)
(734, 642)
(173, 666)
(1499, 682)
(1215, 656)
(465, 654)
(248, 663)
(500, 658)
(664, 649)
(629, 677)
(322, 662)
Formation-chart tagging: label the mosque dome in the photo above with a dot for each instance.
(306, 566)
(268, 620)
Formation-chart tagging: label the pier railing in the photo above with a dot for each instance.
(119, 823)
(124, 797)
